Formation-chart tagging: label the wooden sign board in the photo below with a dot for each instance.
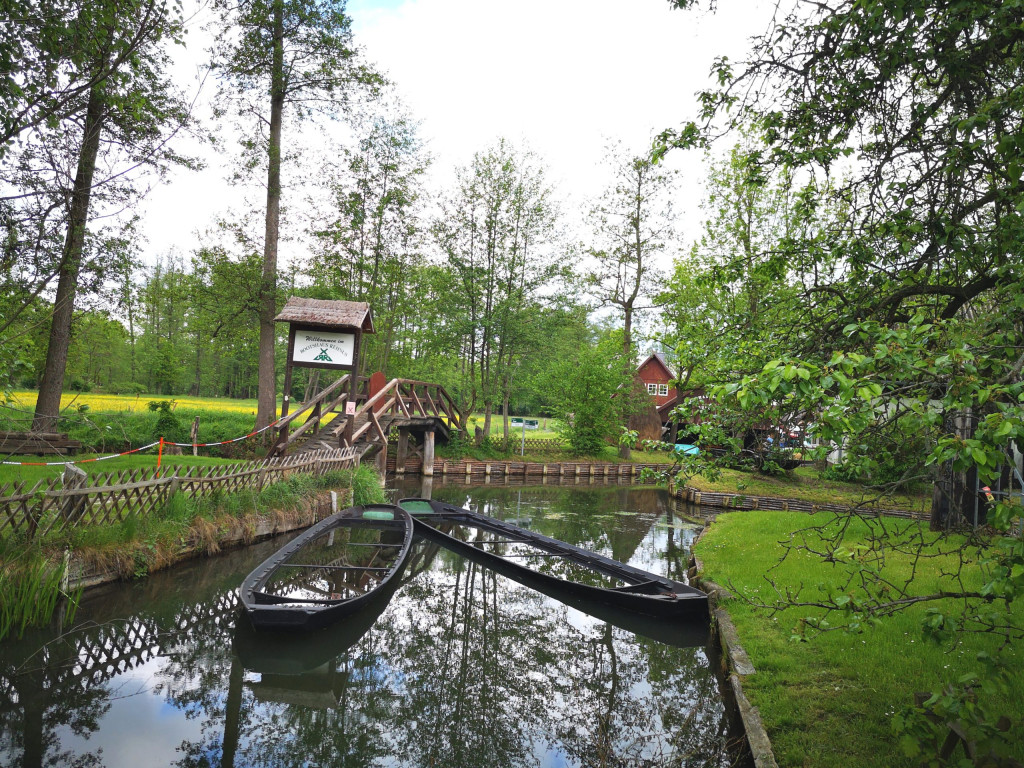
(317, 348)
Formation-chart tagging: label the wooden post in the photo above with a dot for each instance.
(428, 453)
(72, 507)
(283, 431)
(403, 450)
(194, 434)
(353, 395)
(382, 459)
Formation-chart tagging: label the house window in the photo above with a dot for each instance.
(663, 390)
(652, 389)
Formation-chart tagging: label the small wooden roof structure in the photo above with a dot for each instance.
(327, 313)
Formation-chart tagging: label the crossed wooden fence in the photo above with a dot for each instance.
(106, 498)
(536, 444)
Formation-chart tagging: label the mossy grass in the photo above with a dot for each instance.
(829, 702)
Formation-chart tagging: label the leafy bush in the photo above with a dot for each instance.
(80, 385)
(167, 425)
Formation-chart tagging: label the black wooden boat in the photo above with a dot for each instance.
(330, 571)
(554, 567)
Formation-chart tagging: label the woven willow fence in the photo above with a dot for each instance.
(58, 503)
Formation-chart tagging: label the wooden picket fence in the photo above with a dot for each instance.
(105, 498)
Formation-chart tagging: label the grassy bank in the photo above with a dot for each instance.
(829, 703)
(12, 473)
(30, 570)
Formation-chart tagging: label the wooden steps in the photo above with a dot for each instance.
(38, 443)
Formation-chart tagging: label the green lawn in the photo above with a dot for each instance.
(546, 431)
(828, 703)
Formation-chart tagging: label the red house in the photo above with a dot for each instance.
(657, 377)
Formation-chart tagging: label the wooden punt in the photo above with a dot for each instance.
(554, 567)
(330, 571)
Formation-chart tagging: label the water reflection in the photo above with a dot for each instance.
(460, 667)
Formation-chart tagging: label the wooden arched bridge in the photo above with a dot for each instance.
(412, 409)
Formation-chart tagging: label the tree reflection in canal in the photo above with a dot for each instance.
(461, 667)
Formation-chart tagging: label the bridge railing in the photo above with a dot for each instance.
(405, 398)
(323, 403)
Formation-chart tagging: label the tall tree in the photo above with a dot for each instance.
(632, 224)
(496, 234)
(282, 59)
(372, 242)
(126, 114)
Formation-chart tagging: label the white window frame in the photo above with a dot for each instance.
(652, 388)
(663, 390)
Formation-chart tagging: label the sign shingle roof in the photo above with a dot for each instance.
(327, 313)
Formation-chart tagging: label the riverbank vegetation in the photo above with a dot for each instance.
(846, 698)
(32, 571)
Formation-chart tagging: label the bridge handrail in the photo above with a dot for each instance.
(320, 397)
(446, 408)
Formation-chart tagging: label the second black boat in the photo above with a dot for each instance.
(537, 560)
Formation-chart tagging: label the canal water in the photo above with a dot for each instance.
(462, 667)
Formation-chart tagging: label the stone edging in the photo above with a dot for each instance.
(737, 661)
(324, 504)
(742, 501)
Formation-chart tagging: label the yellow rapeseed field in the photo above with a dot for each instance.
(117, 403)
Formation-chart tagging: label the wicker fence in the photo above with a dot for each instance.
(58, 504)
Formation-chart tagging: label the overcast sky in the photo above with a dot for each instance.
(563, 76)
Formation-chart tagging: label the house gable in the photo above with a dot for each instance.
(656, 376)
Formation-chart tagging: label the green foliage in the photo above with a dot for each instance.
(497, 237)
(583, 388)
(905, 319)
(167, 425)
(126, 388)
(31, 592)
(365, 484)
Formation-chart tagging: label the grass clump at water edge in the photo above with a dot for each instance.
(32, 592)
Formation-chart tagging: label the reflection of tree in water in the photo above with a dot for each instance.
(474, 688)
(463, 668)
(32, 710)
(66, 677)
(612, 522)
(336, 712)
(635, 702)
